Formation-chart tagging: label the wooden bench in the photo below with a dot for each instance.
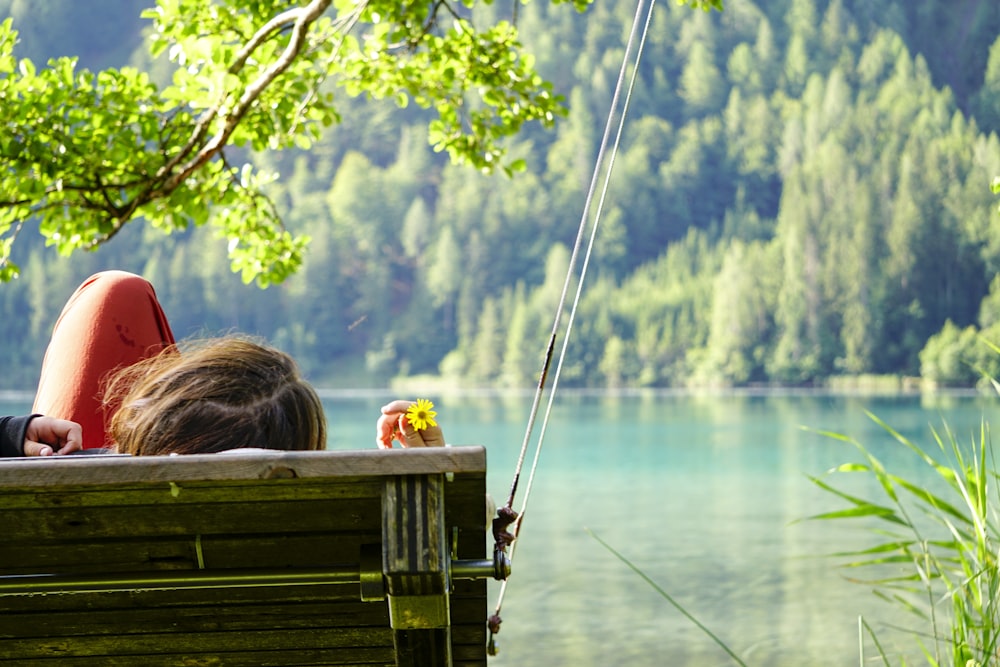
(247, 558)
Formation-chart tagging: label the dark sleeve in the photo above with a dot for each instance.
(12, 432)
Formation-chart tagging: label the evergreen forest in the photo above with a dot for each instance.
(802, 194)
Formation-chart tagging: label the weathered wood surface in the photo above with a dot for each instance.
(247, 464)
(259, 519)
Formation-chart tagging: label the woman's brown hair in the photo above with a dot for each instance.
(216, 395)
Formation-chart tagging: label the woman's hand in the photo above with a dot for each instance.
(393, 425)
(47, 436)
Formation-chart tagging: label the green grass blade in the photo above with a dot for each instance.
(870, 510)
(931, 499)
(862, 507)
(878, 548)
(666, 596)
(871, 634)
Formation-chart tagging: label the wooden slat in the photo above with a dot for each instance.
(211, 643)
(239, 465)
(226, 551)
(169, 602)
(313, 610)
(82, 622)
(208, 519)
(186, 493)
(356, 657)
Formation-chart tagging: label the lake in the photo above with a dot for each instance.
(703, 494)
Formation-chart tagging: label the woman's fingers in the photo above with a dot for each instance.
(32, 448)
(393, 425)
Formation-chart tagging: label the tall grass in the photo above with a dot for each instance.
(936, 544)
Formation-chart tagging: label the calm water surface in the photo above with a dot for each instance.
(702, 493)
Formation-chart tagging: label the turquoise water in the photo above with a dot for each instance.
(703, 494)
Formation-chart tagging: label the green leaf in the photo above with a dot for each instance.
(861, 507)
(933, 500)
(860, 511)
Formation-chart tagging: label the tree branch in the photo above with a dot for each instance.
(275, 24)
(306, 16)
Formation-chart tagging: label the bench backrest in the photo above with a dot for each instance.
(255, 557)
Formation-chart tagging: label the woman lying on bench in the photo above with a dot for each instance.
(114, 370)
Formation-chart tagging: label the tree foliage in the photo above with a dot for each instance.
(85, 153)
(822, 207)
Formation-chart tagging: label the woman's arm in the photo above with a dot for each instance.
(38, 435)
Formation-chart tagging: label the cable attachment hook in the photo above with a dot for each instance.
(502, 538)
(494, 625)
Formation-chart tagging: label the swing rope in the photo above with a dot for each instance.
(507, 515)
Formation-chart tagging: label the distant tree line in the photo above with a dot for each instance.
(803, 192)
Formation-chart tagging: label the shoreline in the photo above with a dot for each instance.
(436, 389)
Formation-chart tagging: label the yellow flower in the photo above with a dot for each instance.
(421, 415)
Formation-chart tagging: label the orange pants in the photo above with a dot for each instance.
(112, 321)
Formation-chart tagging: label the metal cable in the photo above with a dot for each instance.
(569, 278)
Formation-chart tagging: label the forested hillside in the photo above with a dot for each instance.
(803, 192)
